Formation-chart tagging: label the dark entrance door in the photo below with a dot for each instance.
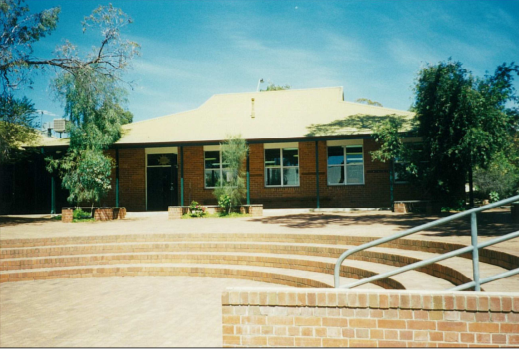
(162, 182)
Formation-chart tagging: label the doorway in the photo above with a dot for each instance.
(161, 181)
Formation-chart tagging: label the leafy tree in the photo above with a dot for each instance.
(16, 127)
(464, 121)
(501, 176)
(368, 102)
(273, 87)
(19, 31)
(85, 173)
(92, 91)
(234, 153)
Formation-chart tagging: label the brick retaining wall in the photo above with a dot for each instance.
(336, 318)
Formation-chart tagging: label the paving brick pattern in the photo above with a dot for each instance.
(123, 312)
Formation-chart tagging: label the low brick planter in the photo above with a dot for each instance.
(100, 213)
(415, 206)
(253, 210)
(176, 212)
(67, 215)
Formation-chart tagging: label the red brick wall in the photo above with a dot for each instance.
(132, 179)
(368, 318)
(374, 193)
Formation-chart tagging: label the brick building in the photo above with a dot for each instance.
(308, 148)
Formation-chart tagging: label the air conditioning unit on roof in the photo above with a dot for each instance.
(60, 125)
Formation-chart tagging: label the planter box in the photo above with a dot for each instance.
(100, 213)
(67, 215)
(176, 212)
(253, 210)
(416, 206)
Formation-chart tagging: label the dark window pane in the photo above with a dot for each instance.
(161, 159)
(273, 176)
(335, 174)
(290, 157)
(335, 156)
(272, 157)
(401, 173)
(211, 178)
(353, 150)
(212, 159)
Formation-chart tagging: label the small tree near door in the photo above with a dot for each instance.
(232, 189)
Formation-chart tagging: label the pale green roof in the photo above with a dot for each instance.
(277, 115)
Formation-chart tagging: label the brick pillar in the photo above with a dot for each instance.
(67, 214)
(175, 212)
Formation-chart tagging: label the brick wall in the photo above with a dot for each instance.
(389, 318)
(132, 179)
(374, 193)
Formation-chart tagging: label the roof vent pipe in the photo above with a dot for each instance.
(252, 114)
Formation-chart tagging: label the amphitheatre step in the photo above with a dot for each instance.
(412, 279)
(488, 255)
(282, 276)
(456, 270)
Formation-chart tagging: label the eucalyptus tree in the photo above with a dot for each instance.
(464, 121)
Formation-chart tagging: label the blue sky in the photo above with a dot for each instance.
(191, 50)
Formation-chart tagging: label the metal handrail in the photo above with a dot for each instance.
(474, 248)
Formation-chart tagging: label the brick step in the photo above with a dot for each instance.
(487, 255)
(455, 270)
(288, 277)
(351, 268)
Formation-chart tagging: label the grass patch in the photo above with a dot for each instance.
(81, 220)
(218, 215)
(56, 218)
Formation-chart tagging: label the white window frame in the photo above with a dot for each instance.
(218, 149)
(344, 166)
(281, 146)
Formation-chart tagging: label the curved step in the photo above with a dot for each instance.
(488, 255)
(351, 268)
(455, 270)
(287, 277)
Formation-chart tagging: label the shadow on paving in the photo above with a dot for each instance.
(489, 223)
(10, 221)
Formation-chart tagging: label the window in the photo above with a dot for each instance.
(281, 167)
(345, 165)
(216, 172)
(401, 168)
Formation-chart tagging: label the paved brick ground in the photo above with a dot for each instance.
(122, 312)
(371, 223)
(137, 311)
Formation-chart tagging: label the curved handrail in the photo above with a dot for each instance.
(380, 241)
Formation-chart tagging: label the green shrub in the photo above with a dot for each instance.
(80, 214)
(224, 201)
(196, 210)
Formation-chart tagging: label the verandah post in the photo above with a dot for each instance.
(248, 177)
(116, 177)
(317, 172)
(181, 176)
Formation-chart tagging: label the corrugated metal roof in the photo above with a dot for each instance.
(277, 115)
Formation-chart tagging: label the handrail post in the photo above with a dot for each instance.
(475, 251)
